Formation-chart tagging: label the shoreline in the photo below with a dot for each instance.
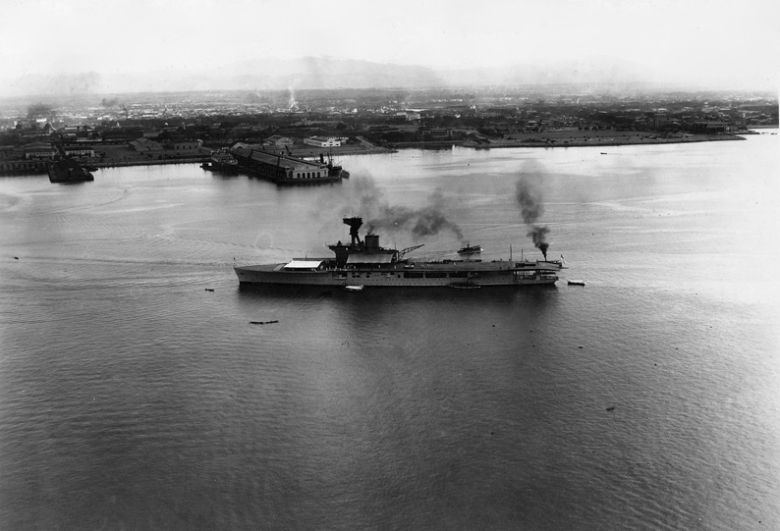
(122, 163)
(342, 151)
(551, 140)
(561, 141)
(554, 139)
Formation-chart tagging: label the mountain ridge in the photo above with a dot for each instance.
(260, 74)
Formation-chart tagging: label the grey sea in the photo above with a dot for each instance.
(132, 396)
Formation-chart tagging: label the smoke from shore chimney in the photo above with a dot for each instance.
(291, 103)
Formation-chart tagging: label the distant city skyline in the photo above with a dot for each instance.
(116, 46)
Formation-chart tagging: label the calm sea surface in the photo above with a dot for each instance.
(131, 397)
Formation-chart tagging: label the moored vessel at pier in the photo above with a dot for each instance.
(68, 171)
(221, 160)
(365, 263)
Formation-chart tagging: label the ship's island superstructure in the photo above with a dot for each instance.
(365, 263)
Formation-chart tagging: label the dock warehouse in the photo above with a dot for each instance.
(277, 167)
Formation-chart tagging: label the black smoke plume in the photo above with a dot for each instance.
(529, 197)
(379, 214)
(538, 234)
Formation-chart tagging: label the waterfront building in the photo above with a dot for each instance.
(183, 147)
(324, 141)
(146, 146)
(278, 141)
(12, 161)
(121, 135)
(710, 127)
(278, 167)
(39, 151)
(78, 151)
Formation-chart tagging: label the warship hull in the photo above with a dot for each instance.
(422, 275)
(362, 264)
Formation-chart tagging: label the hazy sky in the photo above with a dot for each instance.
(703, 41)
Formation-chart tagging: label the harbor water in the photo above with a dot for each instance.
(135, 393)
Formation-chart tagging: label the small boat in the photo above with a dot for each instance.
(354, 288)
(470, 249)
(263, 322)
(576, 282)
(464, 285)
